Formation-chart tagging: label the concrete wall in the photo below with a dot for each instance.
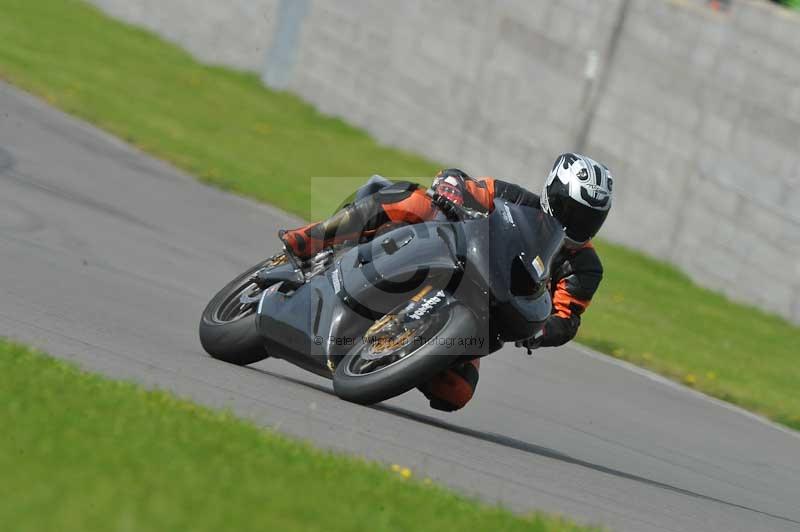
(696, 112)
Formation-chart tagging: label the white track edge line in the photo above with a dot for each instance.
(655, 377)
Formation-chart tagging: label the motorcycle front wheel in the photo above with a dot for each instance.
(374, 372)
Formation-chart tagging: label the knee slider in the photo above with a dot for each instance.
(453, 389)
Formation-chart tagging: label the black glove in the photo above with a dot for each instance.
(450, 209)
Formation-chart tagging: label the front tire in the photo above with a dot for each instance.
(414, 368)
(227, 328)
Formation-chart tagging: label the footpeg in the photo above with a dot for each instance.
(268, 277)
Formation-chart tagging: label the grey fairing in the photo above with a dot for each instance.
(379, 275)
(513, 232)
(471, 261)
(309, 325)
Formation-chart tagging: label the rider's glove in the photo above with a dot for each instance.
(450, 209)
(531, 343)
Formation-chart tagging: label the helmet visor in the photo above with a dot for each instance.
(580, 221)
(452, 193)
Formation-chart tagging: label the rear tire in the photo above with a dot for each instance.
(414, 369)
(234, 340)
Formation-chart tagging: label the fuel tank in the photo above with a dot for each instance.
(377, 276)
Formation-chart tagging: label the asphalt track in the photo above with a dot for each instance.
(107, 258)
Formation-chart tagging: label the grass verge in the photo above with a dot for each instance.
(651, 314)
(225, 127)
(83, 453)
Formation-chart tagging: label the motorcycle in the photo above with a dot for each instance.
(383, 316)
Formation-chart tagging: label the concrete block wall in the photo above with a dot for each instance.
(235, 33)
(707, 103)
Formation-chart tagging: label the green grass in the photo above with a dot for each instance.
(226, 128)
(216, 123)
(79, 452)
(651, 314)
(793, 4)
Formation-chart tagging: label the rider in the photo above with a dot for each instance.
(578, 193)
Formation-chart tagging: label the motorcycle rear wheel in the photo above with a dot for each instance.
(353, 383)
(228, 327)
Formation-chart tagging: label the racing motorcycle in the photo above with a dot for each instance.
(383, 316)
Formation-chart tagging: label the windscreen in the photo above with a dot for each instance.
(542, 237)
(523, 243)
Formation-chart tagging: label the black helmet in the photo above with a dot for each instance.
(578, 194)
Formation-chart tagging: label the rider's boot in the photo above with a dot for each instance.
(303, 242)
(347, 224)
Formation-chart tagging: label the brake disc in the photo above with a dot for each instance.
(251, 295)
(386, 345)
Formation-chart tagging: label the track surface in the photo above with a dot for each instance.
(107, 258)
